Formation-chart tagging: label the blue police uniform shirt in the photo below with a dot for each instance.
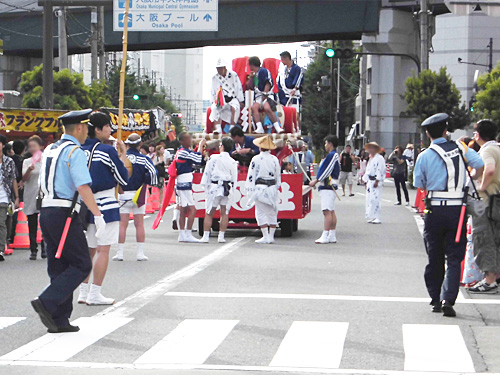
(143, 171)
(430, 170)
(264, 77)
(67, 180)
(293, 79)
(330, 167)
(248, 143)
(106, 169)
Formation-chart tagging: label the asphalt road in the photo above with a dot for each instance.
(359, 306)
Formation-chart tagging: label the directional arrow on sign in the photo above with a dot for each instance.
(207, 17)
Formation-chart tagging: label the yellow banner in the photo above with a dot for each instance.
(30, 120)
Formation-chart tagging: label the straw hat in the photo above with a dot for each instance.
(373, 144)
(265, 142)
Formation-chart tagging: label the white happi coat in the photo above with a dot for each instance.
(376, 167)
(231, 86)
(267, 167)
(220, 167)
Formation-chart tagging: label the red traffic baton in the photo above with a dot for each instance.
(66, 227)
(462, 216)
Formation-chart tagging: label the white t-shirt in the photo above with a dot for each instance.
(4, 198)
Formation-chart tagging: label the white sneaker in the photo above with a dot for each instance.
(218, 129)
(96, 298)
(182, 237)
(369, 221)
(278, 128)
(262, 240)
(323, 239)
(260, 129)
(142, 257)
(332, 238)
(376, 221)
(221, 239)
(204, 239)
(118, 257)
(190, 238)
(84, 293)
(407, 204)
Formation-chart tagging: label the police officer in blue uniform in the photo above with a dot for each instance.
(441, 170)
(64, 177)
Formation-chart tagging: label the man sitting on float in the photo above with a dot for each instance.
(227, 95)
(289, 82)
(261, 81)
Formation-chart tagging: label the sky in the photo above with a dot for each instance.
(211, 54)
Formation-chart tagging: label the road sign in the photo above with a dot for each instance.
(167, 15)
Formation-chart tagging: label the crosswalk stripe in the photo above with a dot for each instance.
(62, 346)
(312, 345)
(191, 342)
(8, 321)
(432, 347)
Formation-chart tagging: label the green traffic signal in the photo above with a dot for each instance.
(472, 109)
(135, 97)
(330, 52)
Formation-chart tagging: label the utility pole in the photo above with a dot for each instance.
(337, 130)
(332, 74)
(48, 56)
(424, 35)
(490, 62)
(62, 38)
(100, 48)
(93, 44)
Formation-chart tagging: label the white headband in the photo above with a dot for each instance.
(129, 142)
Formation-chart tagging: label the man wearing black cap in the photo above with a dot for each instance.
(64, 177)
(441, 170)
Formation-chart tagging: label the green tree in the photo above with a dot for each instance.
(433, 92)
(70, 92)
(488, 98)
(99, 94)
(316, 108)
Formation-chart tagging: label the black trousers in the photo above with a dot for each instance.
(400, 182)
(33, 230)
(68, 272)
(440, 230)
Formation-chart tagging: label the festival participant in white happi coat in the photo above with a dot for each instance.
(374, 179)
(230, 84)
(263, 182)
(219, 179)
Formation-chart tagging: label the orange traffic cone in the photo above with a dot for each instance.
(131, 216)
(21, 239)
(155, 198)
(387, 171)
(419, 201)
(8, 251)
(311, 169)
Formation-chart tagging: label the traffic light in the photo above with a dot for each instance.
(135, 97)
(178, 115)
(339, 53)
(472, 101)
(330, 52)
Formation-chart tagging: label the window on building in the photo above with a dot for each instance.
(369, 76)
(369, 107)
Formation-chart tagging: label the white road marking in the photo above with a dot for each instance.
(62, 346)
(430, 347)
(191, 342)
(136, 301)
(420, 224)
(312, 345)
(326, 297)
(263, 369)
(8, 321)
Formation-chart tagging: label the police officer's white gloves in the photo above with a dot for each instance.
(100, 226)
